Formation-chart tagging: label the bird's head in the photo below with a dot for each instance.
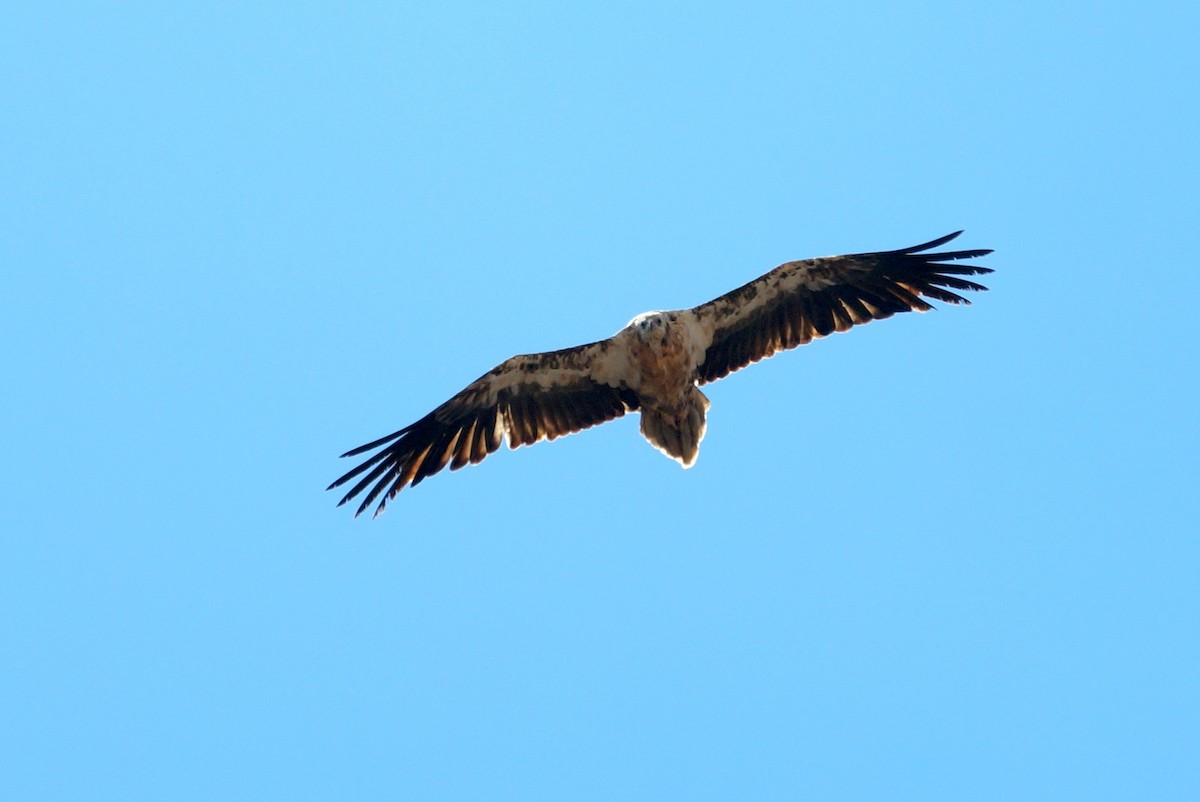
(650, 326)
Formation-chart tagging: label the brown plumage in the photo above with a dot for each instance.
(655, 364)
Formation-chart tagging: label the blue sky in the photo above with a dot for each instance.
(951, 555)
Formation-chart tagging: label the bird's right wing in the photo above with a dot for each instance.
(522, 400)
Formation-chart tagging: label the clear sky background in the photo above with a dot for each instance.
(952, 555)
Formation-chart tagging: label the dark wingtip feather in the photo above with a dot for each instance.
(954, 255)
(931, 244)
(960, 270)
(354, 452)
(974, 253)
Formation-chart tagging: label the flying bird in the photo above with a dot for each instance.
(656, 364)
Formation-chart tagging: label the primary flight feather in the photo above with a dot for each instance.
(656, 363)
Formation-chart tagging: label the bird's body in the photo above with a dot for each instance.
(656, 363)
(665, 348)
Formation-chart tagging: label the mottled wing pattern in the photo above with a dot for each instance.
(800, 301)
(522, 400)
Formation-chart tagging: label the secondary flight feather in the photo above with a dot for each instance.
(656, 364)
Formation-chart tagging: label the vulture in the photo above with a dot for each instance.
(656, 364)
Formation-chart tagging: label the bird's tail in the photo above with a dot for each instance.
(677, 433)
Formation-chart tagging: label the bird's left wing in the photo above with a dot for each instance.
(522, 400)
(799, 301)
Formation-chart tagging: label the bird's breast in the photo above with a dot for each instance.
(665, 367)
